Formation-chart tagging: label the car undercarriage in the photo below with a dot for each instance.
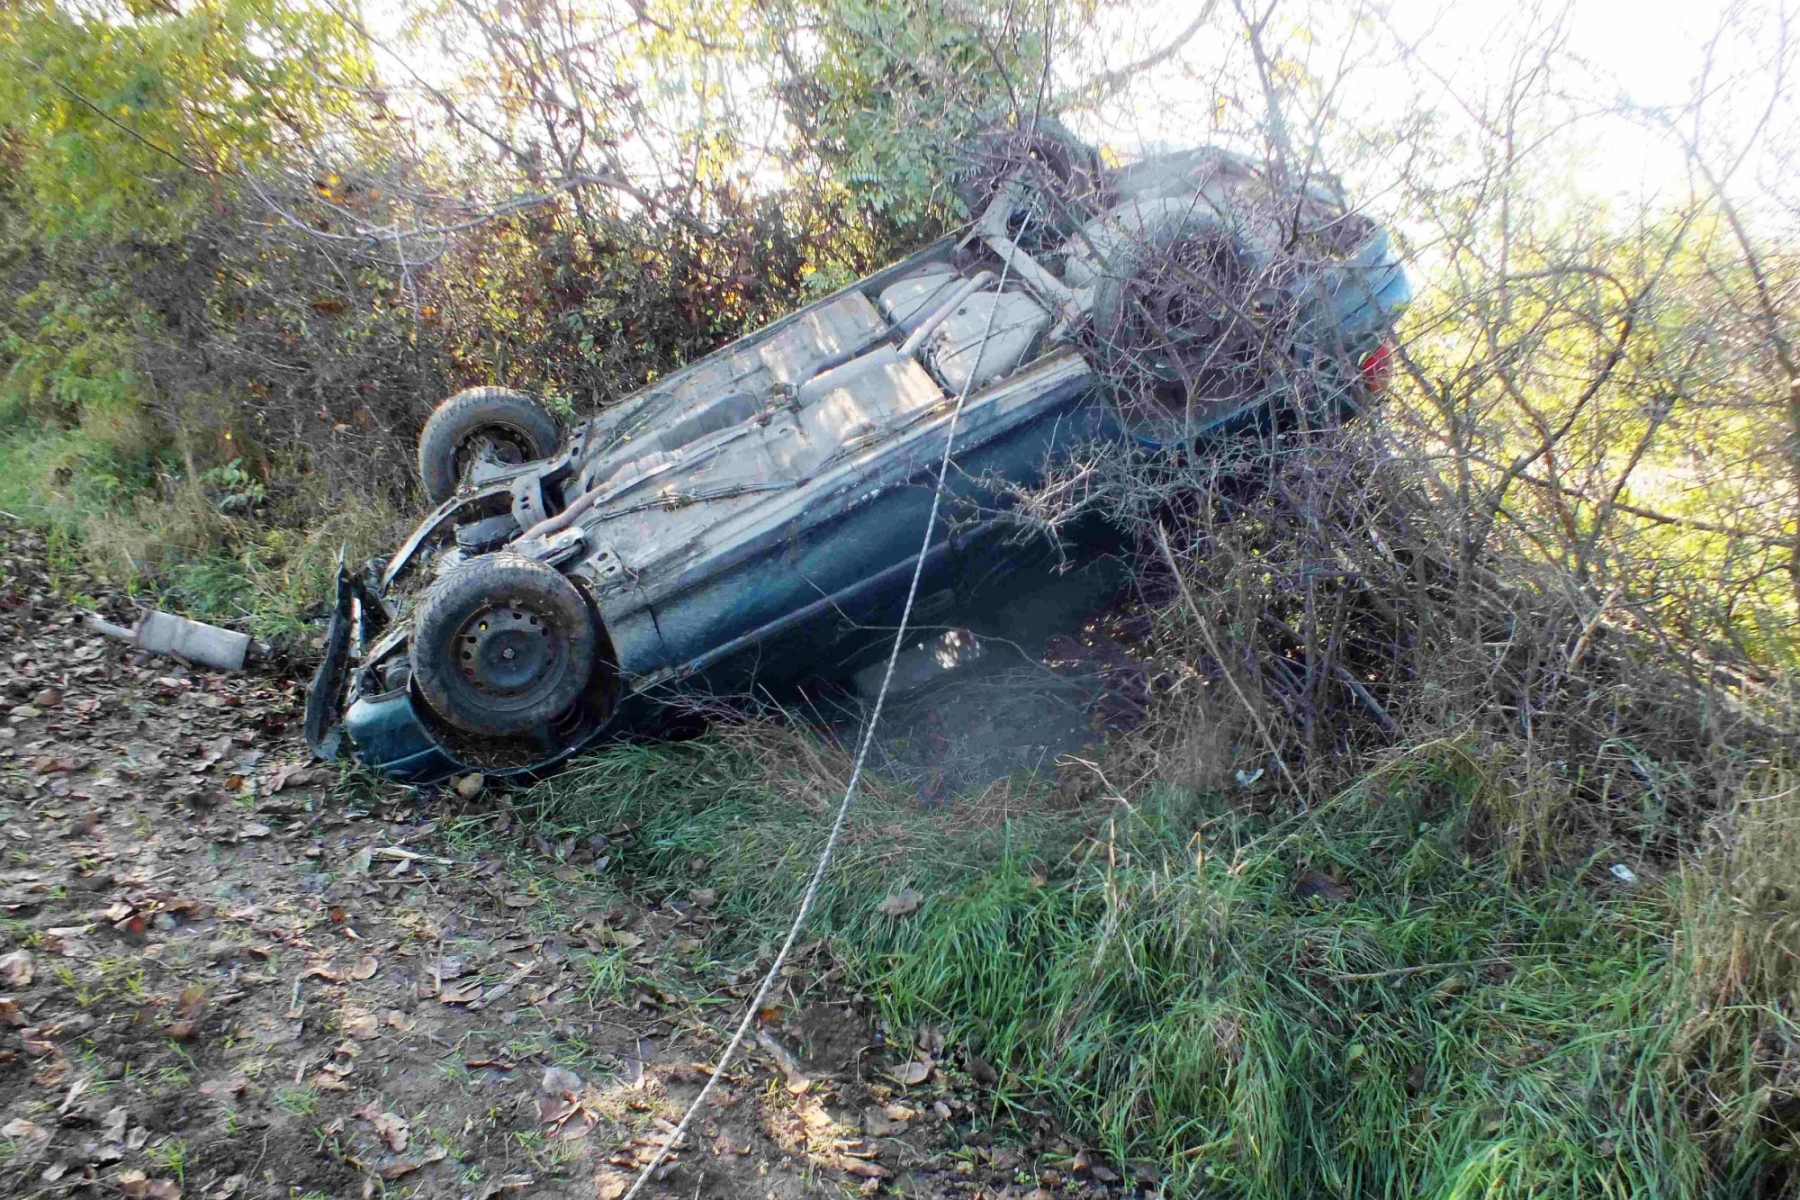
(757, 515)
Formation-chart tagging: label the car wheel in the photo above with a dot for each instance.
(1062, 178)
(503, 644)
(512, 427)
(1175, 317)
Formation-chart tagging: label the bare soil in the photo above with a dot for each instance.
(228, 973)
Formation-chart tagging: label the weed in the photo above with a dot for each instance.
(454, 1069)
(608, 977)
(1738, 947)
(297, 1100)
(171, 1156)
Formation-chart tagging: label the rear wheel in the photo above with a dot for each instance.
(503, 644)
(498, 423)
(1177, 317)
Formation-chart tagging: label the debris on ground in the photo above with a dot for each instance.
(197, 642)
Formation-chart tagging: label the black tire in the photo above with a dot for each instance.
(1063, 176)
(1173, 314)
(1146, 246)
(503, 644)
(513, 424)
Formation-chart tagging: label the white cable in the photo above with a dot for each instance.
(862, 754)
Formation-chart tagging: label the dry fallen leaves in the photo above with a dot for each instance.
(25, 1130)
(606, 935)
(16, 969)
(883, 1122)
(393, 1130)
(135, 1185)
(560, 1081)
(359, 1023)
(365, 967)
(68, 940)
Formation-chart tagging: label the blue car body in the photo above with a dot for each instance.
(755, 517)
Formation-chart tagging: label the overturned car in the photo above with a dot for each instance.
(756, 516)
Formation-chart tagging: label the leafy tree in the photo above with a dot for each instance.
(125, 119)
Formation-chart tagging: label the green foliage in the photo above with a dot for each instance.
(61, 478)
(128, 118)
(126, 130)
(887, 91)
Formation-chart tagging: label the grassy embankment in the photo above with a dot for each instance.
(1367, 998)
(135, 520)
(1356, 1000)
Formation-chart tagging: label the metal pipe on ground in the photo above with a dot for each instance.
(196, 641)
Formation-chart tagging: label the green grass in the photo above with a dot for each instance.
(295, 1099)
(133, 520)
(97, 477)
(1152, 978)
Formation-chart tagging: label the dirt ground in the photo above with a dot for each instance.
(225, 974)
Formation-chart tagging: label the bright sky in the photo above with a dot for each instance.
(1648, 52)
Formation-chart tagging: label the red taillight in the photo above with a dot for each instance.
(1378, 369)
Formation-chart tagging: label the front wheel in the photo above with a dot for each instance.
(503, 644)
(509, 426)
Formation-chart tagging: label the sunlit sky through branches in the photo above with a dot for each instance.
(1607, 115)
(1619, 72)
